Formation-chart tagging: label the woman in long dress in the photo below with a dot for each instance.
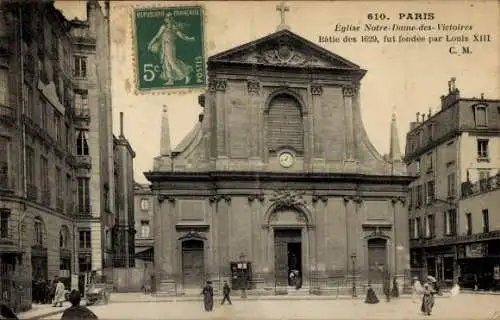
(59, 297)
(208, 296)
(163, 44)
(428, 299)
(371, 297)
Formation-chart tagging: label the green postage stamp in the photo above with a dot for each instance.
(169, 48)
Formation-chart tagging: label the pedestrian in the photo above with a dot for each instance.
(417, 290)
(395, 288)
(76, 311)
(208, 296)
(59, 294)
(6, 312)
(428, 299)
(371, 297)
(455, 290)
(387, 287)
(226, 290)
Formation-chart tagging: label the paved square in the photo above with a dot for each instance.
(461, 307)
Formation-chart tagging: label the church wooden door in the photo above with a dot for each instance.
(281, 261)
(193, 263)
(377, 259)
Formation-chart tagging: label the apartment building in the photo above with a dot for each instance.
(458, 144)
(57, 176)
(479, 250)
(36, 144)
(94, 152)
(144, 224)
(124, 225)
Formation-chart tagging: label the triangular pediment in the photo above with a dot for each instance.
(284, 48)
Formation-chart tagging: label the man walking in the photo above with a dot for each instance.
(226, 290)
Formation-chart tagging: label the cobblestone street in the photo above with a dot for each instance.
(464, 306)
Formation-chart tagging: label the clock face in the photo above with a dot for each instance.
(286, 159)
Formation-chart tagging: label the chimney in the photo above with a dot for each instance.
(121, 124)
(453, 95)
(418, 116)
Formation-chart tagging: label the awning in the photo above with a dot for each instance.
(146, 254)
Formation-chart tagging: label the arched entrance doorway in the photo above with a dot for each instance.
(39, 265)
(193, 266)
(377, 259)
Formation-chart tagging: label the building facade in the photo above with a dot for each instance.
(144, 219)
(479, 249)
(459, 143)
(56, 147)
(278, 175)
(124, 224)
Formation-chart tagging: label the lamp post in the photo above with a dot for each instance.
(243, 267)
(353, 259)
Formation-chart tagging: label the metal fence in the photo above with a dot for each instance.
(332, 284)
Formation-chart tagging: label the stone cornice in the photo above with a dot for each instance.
(215, 176)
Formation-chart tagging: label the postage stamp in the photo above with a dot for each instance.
(169, 48)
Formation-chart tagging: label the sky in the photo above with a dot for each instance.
(405, 78)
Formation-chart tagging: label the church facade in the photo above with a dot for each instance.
(279, 172)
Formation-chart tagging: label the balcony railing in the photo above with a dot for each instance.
(46, 198)
(456, 239)
(470, 189)
(83, 211)
(32, 192)
(9, 228)
(7, 114)
(81, 113)
(81, 161)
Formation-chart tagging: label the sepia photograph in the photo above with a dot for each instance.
(249, 159)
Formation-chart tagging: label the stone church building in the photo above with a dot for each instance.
(278, 172)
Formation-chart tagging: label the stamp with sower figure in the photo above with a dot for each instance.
(169, 48)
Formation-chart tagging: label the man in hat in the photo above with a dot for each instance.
(208, 296)
(76, 311)
(226, 290)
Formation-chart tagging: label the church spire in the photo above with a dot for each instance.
(394, 152)
(282, 8)
(165, 148)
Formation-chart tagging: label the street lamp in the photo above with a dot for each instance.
(243, 267)
(353, 259)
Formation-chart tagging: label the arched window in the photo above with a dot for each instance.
(480, 116)
(285, 128)
(38, 232)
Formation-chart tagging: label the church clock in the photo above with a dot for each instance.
(286, 159)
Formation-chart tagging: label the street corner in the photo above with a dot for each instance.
(169, 48)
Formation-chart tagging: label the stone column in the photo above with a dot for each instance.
(221, 114)
(254, 102)
(348, 93)
(353, 227)
(168, 255)
(316, 139)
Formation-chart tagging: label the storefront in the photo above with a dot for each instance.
(440, 262)
(479, 264)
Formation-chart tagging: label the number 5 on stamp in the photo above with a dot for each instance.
(169, 48)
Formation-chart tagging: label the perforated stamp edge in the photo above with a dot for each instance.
(131, 29)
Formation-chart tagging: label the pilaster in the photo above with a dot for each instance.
(167, 210)
(316, 96)
(254, 102)
(348, 93)
(221, 114)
